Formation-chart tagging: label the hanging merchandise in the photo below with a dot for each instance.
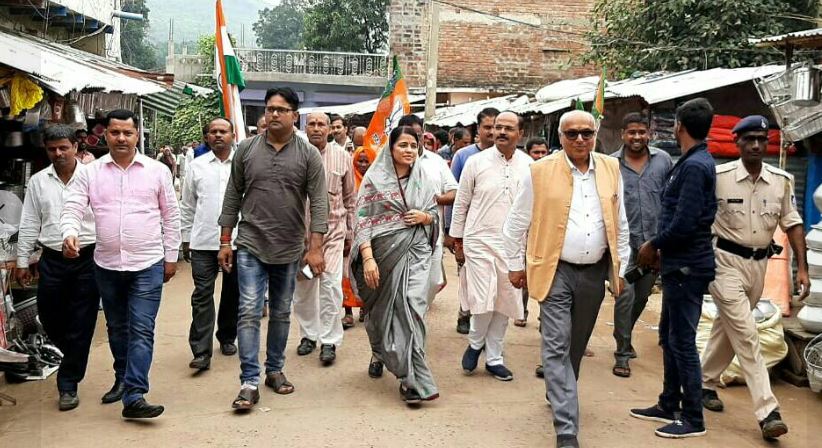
(25, 93)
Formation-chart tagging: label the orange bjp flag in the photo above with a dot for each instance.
(393, 105)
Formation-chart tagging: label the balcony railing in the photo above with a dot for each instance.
(302, 62)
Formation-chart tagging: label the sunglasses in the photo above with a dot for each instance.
(587, 134)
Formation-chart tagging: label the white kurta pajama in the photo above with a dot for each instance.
(318, 302)
(488, 185)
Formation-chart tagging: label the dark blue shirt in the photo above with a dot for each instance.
(200, 150)
(688, 211)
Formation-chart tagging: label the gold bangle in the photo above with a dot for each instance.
(368, 258)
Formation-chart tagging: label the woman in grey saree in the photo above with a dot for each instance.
(396, 218)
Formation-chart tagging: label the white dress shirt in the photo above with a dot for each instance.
(436, 169)
(42, 206)
(202, 201)
(585, 239)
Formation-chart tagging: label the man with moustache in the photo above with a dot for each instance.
(485, 132)
(644, 172)
(67, 296)
(137, 221)
(339, 131)
(489, 184)
(569, 255)
(318, 300)
(201, 204)
(753, 198)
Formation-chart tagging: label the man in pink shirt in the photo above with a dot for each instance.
(138, 238)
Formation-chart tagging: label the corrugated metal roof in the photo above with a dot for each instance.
(62, 68)
(361, 108)
(466, 113)
(659, 87)
(798, 35)
(166, 102)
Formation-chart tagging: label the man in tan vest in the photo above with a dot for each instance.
(571, 208)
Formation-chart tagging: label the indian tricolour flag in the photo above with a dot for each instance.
(392, 106)
(229, 76)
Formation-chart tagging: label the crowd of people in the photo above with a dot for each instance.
(317, 223)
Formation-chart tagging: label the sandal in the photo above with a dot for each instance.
(622, 369)
(278, 382)
(246, 399)
(410, 396)
(347, 321)
(362, 315)
(520, 322)
(375, 369)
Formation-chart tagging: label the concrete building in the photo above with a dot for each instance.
(88, 25)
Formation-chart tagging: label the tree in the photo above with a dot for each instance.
(342, 25)
(187, 124)
(136, 48)
(281, 27)
(650, 35)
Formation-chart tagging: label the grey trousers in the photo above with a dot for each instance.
(567, 317)
(628, 307)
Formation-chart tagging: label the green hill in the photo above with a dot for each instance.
(193, 18)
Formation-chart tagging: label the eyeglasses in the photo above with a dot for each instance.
(271, 110)
(573, 134)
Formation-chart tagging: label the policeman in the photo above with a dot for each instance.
(753, 198)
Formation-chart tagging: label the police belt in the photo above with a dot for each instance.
(742, 251)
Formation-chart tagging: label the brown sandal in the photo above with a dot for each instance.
(622, 369)
(246, 399)
(278, 382)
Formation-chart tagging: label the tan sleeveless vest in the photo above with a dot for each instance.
(553, 189)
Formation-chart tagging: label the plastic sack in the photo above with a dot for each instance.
(771, 337)
(25, 93)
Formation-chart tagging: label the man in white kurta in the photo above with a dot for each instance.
(487, 188)
(318, 301)
(437, 171)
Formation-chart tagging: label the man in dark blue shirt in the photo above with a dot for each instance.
(683, 243)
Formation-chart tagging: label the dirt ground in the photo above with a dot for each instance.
(340, 406)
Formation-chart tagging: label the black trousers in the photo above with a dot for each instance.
(67, 302)
(204, 270)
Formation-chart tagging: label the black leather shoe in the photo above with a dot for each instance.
(306, 346)
(228, 349)
(567, 441)
(711, 401)
(68, 401)
(114, 394)
(141, 409)
(375, 369)
(202, 362)
(773, 426)
(328, 353)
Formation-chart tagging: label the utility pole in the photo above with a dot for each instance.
(432, 61)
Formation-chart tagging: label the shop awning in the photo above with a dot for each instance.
(62, 68)
(166, 102)
(361, 108)
(807, 38)
(465, 114)
(658, 87)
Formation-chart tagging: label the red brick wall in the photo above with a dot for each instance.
(478, 51)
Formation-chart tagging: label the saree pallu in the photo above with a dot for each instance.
(395, 324)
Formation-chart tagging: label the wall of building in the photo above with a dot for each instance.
(96, 9)
(540, 44)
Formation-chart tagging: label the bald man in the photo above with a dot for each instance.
(318, 301)
(569, 255)
(359, 136)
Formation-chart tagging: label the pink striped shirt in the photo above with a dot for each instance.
(135, 212)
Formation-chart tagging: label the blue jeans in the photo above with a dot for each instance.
(130, 302)
(682, 382)
(254, 277)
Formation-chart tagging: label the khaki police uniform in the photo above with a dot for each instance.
(747, 214)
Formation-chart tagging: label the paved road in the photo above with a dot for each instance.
(340, 406)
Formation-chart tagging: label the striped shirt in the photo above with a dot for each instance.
(342, 198)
